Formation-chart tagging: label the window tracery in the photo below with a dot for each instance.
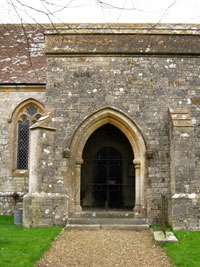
(27, 116)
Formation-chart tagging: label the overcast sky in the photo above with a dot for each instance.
(132, 11)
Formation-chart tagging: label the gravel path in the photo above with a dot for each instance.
(105, 248)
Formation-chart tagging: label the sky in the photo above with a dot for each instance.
(75, 11)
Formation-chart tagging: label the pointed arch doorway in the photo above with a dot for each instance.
(79, 157)
(107, 173)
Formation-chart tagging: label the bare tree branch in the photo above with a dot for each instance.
(52, 10)
(106, 5)
(166, 11)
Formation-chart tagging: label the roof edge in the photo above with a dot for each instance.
(124, 28)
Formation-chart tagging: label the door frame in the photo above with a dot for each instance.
(77, 143)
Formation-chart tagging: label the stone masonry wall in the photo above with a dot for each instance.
(46, 202)
(11, 182)
(184, 209)
(143, 87)
(142, 73)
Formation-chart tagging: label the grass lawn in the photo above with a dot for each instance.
(21, 246)
(187, 251)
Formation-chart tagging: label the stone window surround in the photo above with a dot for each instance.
(77, 143)
(13, 120)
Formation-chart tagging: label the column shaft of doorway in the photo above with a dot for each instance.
(137, 208)
(78, 186)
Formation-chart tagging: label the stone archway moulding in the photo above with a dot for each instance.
(133, 133)
(23, 104)
(13, 129)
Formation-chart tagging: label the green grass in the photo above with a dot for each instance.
(22, 246)
(185, 253)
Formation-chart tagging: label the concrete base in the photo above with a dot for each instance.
(159, 237)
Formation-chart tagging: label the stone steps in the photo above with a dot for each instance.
(106, 214)
(107, 227)
(118, 223)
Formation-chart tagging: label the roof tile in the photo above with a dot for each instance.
(22, 58)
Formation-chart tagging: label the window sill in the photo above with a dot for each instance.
(20, 173)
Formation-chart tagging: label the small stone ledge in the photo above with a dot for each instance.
(180, 117)
(46, 195)
(20, 173)
(44, 122)
(159, 237)
(185, 196)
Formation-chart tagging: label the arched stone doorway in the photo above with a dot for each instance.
(82, 134)
(107, 173)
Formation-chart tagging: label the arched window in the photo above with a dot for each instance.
(27, 116)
